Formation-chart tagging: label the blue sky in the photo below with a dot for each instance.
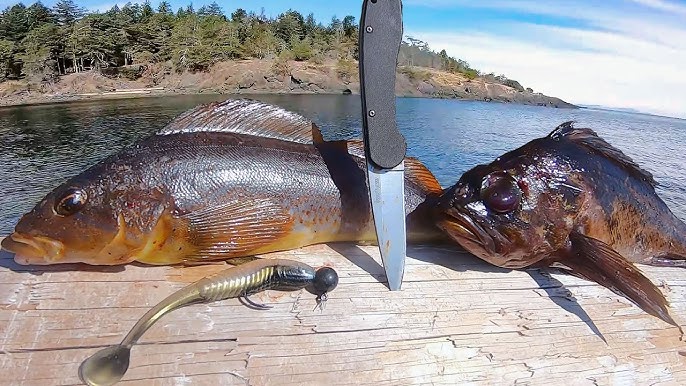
(616, 53)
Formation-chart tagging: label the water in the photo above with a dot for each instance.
(44, 145)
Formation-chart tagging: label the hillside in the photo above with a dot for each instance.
(258, 76)
(65, 52)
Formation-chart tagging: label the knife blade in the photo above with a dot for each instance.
(381, 31)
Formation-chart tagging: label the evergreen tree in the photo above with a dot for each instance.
(42, 47)
(310, 25)
(38, 14)
(349, 26)
(67, 12)
(6, 58)
(261, 42)
(165, 8)
(15, 24)
(146, 11)
(290, 26)
(211, 10)
(239, 15)
(42, 42)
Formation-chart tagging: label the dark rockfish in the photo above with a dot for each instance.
(223, 180)
(569, 200)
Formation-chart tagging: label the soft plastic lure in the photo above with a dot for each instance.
(108, 366)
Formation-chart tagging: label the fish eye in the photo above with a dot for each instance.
(71, 202)
(500, 193)
(325, 280)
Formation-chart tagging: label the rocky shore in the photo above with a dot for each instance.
(261, 76)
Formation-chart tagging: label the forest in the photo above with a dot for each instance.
(42, 43)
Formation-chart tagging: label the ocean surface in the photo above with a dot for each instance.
(43, 145)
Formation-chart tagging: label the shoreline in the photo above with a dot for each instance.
(251, 76)
(48, 99)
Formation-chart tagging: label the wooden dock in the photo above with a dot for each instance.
(456, 321)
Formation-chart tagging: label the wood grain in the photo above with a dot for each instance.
(457, 320)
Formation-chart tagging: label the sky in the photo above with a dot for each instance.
(613, 53)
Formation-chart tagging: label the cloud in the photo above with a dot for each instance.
(630, 57)
(663, 6)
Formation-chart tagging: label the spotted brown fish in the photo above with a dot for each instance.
(223, 180)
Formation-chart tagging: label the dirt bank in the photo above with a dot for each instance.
(261, 76)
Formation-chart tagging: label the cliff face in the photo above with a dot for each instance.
(265, 76)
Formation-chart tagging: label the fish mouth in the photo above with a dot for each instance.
(470, 231)
(33, 250)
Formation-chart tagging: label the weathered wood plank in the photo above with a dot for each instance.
(456, 321)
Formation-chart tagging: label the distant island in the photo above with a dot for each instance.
(66, 53)
(620, 109)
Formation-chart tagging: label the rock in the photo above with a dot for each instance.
(130, 72)
(295, 80)
(246, 80)
(273, 83)
(426, 88)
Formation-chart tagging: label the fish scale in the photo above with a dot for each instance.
(223, 180)
(572, 201)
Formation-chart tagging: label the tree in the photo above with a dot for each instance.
(199, 42)
(131, 13)
(260, 43)
(38, 14)
(165, 8)
(211, 10)
(239, 15)
(6, 57)
(15, 23)
(146, 11)
(349, 26)
(154, 37)
(302, 49)
(310, 25)
(67, 13)
(290, 26)
(335, 26)
(39, 41)
(94, 42)
(42, 47)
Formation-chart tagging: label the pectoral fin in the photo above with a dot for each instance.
(593, 260)
(236, 229)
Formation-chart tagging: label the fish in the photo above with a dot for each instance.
(227, 179)
(109, 365)
(571, 201)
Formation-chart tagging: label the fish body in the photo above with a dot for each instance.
(223, 180)
(568, 200)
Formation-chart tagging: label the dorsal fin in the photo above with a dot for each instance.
(590, 139)
(245, 116)
(356, 147)
(415, 171)
(422, 176)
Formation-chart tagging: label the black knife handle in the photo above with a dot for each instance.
(381, 29)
